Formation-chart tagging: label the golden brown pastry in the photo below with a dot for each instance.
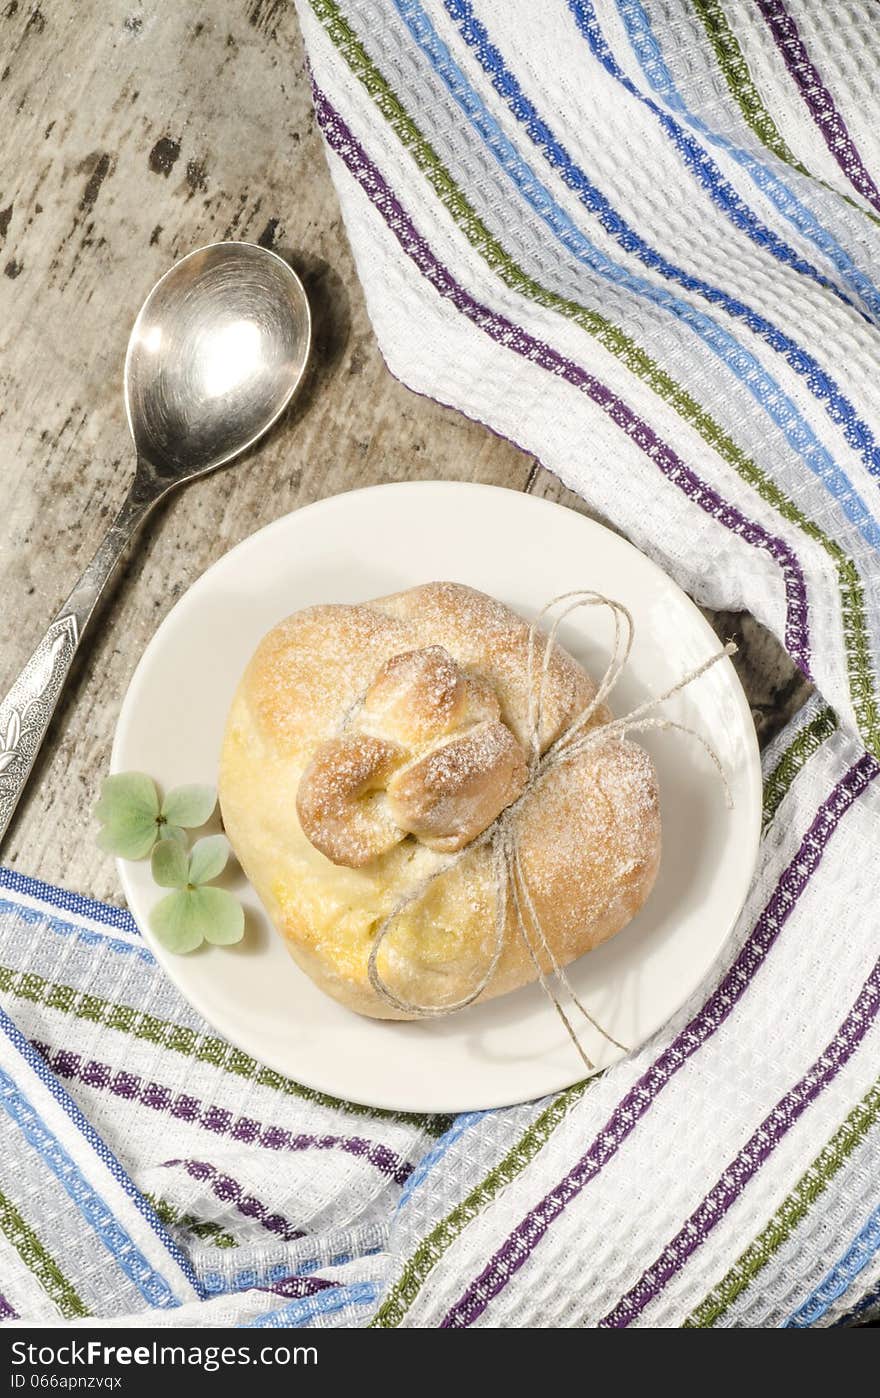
(368, 744)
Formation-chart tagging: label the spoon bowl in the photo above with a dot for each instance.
(215, 356)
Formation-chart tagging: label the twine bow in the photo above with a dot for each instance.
(511, 885)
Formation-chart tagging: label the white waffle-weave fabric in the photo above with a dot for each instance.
(643, 241)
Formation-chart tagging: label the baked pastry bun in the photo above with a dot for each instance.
(368, 744)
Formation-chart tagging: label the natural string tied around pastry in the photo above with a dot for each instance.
(511, 886)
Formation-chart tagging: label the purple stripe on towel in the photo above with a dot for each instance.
(818, 99)
(752, 1156)
(294, 1287)
(514, 337)
(521, 1243)
(229, 1191)
(217, 1119)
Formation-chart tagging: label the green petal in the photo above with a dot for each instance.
(173, 832)
(220, 916)
(170, 867)
(128, 793)
(177, 921)
(189, 805)
(208, 858)
(127, 844)
(128, 808)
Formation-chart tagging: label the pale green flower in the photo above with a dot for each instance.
(133, 818)
(193, 914)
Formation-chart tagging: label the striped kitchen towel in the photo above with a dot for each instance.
(641, 238)
(727, 1174)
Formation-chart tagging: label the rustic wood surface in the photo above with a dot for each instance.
(132, 134)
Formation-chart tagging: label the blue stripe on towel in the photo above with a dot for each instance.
(707, 173)
(100, 1217)
(650, 57)
(69, 902)
(99, 1146)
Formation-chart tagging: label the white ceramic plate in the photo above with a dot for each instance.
(525, 551)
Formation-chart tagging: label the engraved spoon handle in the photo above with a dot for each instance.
(26, 711)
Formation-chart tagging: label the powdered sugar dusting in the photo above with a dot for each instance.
(589, 833)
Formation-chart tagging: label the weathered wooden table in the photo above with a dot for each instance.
(133, 133)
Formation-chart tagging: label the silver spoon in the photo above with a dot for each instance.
(215, 356)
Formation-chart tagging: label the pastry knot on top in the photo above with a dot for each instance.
(426, 753)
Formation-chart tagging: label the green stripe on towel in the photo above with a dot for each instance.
(404, 1291)
(39, 1262)
(790, 1213)
(179, 1038)
(809, 739)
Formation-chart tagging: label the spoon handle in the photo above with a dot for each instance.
(26, 711)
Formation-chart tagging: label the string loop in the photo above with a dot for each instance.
(511, 885)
